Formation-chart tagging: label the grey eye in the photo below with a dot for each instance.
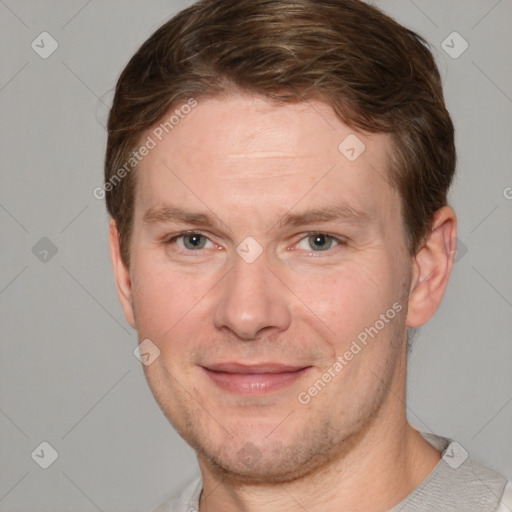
(320, 242)
(194, 241)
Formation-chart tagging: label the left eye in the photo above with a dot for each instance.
(318, 242)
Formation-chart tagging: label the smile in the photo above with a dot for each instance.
(254, 379)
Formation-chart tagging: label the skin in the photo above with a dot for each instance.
(247, 163)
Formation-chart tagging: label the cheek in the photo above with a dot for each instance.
(163, 300)
(348, 299)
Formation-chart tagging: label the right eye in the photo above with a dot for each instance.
(189, 242)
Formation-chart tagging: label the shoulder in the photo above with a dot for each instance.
(457, 484)
(186, 500)
(506, 500)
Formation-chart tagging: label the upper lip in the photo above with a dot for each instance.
(253, 368)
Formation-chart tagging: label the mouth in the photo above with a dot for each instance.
(258, 379)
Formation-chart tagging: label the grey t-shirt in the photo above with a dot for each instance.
(456, 484)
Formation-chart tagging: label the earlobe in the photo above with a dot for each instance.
(121, 274)
(433, 264)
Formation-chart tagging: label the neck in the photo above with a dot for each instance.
(373, 470)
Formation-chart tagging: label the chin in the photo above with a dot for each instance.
(270, 464)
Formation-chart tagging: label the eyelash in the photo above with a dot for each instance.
(340, 242)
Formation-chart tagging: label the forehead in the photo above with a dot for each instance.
(246, 152)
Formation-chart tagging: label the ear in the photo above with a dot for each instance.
(121, 274)
(432, 267)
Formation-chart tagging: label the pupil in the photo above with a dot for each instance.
(320, 242)
(193, 241)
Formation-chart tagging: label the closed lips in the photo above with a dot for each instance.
(258, 379)
(253, 369)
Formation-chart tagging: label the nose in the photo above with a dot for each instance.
(252, 300)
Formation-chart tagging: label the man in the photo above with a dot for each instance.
(276, 175)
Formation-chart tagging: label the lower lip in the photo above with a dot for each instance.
(254, 383)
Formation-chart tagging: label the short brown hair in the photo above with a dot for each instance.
(377, 75)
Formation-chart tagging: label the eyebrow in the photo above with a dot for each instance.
(339, 213)
(169, 214)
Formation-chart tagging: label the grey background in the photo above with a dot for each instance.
(68, 375)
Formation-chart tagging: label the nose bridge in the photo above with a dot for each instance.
(252, 298)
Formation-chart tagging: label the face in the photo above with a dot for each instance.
(271, 272)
